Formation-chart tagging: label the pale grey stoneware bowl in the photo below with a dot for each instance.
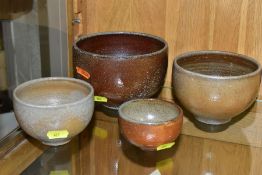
(216, 86)
(53, 110)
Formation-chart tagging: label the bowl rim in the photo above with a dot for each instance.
(203, 52)
(178, 116)
(81, 82)
(116, 57)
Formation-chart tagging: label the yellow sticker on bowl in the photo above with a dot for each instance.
(165, 146)
(59, 172)
(58, 134)
(100, 99)
(100, 132)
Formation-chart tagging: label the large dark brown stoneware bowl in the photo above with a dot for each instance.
(121, 65)
(150, 123)
(216, 86)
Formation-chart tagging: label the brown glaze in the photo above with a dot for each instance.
(150, 133)
(122, 65)
(215, 85)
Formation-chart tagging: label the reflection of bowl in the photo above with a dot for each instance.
(53, 110)
(149, 123)
(215, 85)
(121, 65)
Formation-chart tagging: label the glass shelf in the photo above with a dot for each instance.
(100, 149)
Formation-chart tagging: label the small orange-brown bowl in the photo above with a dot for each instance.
(150, 123)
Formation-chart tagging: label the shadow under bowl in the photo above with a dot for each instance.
(215, 86)
(53, 110)
(150, 123)
(121, 65)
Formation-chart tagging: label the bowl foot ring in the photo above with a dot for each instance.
(212, 121)
(56, 143)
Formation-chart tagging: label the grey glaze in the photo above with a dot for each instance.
(148, 111)
(215, 86)
(51, 104)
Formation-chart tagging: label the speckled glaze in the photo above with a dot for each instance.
(51, 104)
(215, 86)
(149, 123)
(122, 65)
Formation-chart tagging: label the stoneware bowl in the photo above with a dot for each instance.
(215, 86)
(150, 123)
(121, 65)
(53, 110)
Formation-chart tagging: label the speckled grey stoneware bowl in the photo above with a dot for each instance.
(215, 86)
(53, 110)
(149, 123)
(122, 65)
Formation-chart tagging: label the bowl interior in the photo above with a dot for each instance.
(216, 64)
(120, 44)
(52, 92)
(149, 111)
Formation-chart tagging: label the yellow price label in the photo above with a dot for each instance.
(58, 134)
(165, 165)
(100, 99)
(165, 146)
(100, 132)
(59, 172)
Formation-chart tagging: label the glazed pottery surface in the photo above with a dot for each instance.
(149, 123)
(121, 65)
(215, 86)
(48, 105)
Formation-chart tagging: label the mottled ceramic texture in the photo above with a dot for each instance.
(215, 86)
(149, 123)
(51, 104)
(122, 65)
